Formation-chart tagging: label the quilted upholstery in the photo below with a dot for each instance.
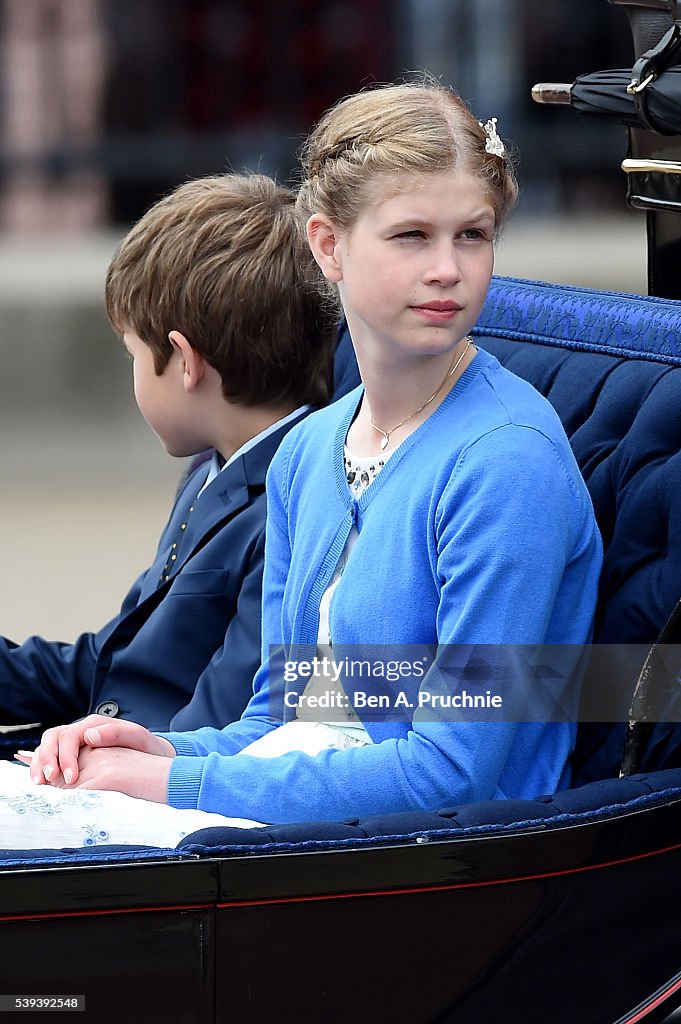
(611, 367)
(571, 807)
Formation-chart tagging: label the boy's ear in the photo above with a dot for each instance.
(322, 237)
(193, 363)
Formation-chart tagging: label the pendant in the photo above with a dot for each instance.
(385, 441)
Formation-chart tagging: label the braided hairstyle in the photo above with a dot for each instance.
(416, 127)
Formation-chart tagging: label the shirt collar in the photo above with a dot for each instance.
(216, 466)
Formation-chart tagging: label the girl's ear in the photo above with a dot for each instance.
(322, 237)
(193, 363)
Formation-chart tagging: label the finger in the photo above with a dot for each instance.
(119, 734)
(65, 746)
(44, 761)
(26, 757)
(69, 746)
(93, 737)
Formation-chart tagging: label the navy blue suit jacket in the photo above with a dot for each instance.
(181, 653)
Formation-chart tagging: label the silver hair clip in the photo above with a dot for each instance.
(493, 143)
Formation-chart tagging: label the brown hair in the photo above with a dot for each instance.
(416, 127)
(224, 260)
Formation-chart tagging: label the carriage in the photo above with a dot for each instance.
(561, 908)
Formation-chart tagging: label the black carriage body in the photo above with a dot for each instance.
(495, 921)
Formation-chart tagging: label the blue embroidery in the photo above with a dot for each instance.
(36, 803)
(96, 837)
(582, 319)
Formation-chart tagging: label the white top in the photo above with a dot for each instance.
(360, 471)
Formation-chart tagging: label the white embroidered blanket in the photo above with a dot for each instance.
(42, 817)
(36, 817)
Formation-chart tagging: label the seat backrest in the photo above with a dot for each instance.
(611, 366)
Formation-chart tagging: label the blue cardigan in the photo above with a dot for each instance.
(479, 530)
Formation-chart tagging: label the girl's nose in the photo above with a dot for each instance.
(444, 267)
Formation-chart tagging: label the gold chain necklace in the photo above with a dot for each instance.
(385, 440)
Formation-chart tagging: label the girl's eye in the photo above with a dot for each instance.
(474, 235)
(411, 234)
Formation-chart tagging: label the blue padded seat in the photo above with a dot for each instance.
(572, 807)
(611, 366)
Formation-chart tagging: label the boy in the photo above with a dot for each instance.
(214, 292)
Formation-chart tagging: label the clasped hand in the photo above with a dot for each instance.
(98, 753)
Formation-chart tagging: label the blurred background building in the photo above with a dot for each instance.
(107, 104)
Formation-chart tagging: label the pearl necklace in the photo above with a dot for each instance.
(385, 440)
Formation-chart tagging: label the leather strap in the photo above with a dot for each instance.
(650, 65)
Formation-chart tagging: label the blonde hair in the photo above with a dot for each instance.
(224, 260)
(417, 127)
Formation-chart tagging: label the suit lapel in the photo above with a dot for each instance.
(233, 489)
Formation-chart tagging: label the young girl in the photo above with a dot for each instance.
(436, 508)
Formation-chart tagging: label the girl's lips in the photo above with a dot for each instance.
(437, 313)
(439, 304)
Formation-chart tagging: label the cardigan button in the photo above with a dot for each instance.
(108, 707)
